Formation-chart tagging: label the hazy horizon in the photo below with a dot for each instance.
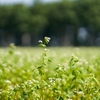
(28, 2)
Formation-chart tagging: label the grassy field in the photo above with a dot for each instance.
(60, 73)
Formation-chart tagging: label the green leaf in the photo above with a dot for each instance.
(96, 81)
(42, 45)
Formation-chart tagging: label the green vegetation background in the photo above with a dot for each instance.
(50, 19)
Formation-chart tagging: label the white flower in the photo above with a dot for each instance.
(8, 82)
(40, 41)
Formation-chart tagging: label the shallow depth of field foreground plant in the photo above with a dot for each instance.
(25, 75)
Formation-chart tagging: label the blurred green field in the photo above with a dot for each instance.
(55, 73)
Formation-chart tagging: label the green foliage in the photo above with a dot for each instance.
(54, 75)
(56, 16)
(46, 41)
(12, 48)
(88, 12)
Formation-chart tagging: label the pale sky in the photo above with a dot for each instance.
(22, 1)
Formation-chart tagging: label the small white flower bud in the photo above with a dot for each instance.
(40, 41)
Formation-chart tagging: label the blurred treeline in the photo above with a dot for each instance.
(62, 21)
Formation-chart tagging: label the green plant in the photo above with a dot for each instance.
(52, 75)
